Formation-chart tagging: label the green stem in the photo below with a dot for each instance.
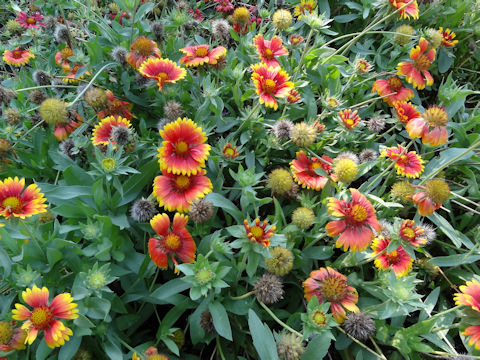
(46, 86)
(28, 132)
(244, 296)
(280, 322)
(124, 343)
(361, 344)
(300, 63)
(242, 267)
(219, 347)
(446, 327)
(33, 238)
(240, 128)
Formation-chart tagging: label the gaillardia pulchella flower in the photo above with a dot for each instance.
(469, 295)
(436, 191)
(175, 242)
(328, 285)
(19, 202)
(202, 54)
(268, 50)
(183, 150)
(406, 11)
(392, 90)
(176, 192)
(448, 37)
(406, 111)
(303, 169)
(417, 70)
(162, 70)
(412, 234)
(407, 163)
(30, 21)
(305, 6)
(356, 223)
(142, 49)
(259, 232)
(115, 107)
(398, 260)
(349, 118)
(270, 83)
(430, 126)
(11, 338)
(43, 316)
(17, 57)
(230, 151)
(102, 132)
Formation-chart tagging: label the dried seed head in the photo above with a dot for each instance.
(376, 124)
(12, 116)
(290, 347)
(200, 211)
(283, 129)
(221, 29)
(268, 289)
(359, 325)
(206, 322)
(173, 110)
(37, 96)
(61, 34)
(119, 54)
(41, 78)
(143, 210)
(368, 155)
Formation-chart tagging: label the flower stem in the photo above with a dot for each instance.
(240, 128)
(46, 86)
(244, 296)
(29, 131)
(280, 322)
(219, 347)
(300, 62)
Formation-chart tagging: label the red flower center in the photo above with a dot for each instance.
(201, 52)
(31, 20)
(17, 54)
(422, 63)
(172, 242)
(257, 232)
(333, 289)
(393, 257)
(13, 203)
(41, 317)
(268, 54)
(394, 83)
(181, 148)
(359, 213)
(269, 86)
(182, 182)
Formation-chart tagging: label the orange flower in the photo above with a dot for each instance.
(268, 49)
(62, 130)
(305, 6)
(142, 49)
(177, 192)
(296, 39)
(398, 260)
(229, 151)
(469, 295)
(19, 202)
(42, 317)
(328, 285)
(408, 164)
(448, 37)
(392, 85)
(17, 57)
(474, 333)
(258, 233)
(422, 59)
(358, 218)
(303, 169)
(177, 242)
(62, 58)
(434, 193)
(115, 107)
(293, 96)
(431, 126)
(270, 83)
(350, 119)
(201, 54)
(411, 234)
(162, 70)
(103, 130)
(183, 150)
(406, 111)
(409, 10)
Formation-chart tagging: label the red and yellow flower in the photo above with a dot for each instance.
(43, 316)
(258, 232)
(270, 83)
(413, 71)
(305, 6)
(362, 66)
(115, 107)
(17, 57)
(448, 37)
(433, 194)
(293, 96)
(62, 130)
(72, 76)
(30, 21)
(469, 295)
(350, 119)
(474, 333)
(19, 202)
(224, 6)
(62, 58)
(406, 111)
(229, 151)
(431, 126)
(268, 49)
(162, 70)
(394, 86)
(407, 11)
(398, 260)
(102, 132)
(358, 218)
(201, 54)
(303, 169)
(412, 234)
(328, 285)
(184, 150)
(177, 192)
(407, 163)
(175, 242)
(11, 338)
(295, 39)
(142, 49)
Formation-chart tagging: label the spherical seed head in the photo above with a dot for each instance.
(348, 155)
(95, 97)
(206, 322)
(4, 146)
(13, 26)
(201, 211)
(385, 228)
(53, 111)
(157, 29)
(143, 210)
(173, 110)
(6, 332)
(241, 15)
(66, 147)
(438, 190)
(119, 54)
(121, 135)
(346, 170)
(303, 217)
(6, 95)
(290, 347)
(46, 217)
(268, 289)
(368, 155)
(283, 129)
(281, 261)
(303, 134)
(82, 354)
(402, 191)
(282, 19)
(359, 325)
(404, 34)
(376, 124)
(280, 180)
(61, 34)
(36, 96)
(293, 192)
(114, 8)
(178, 337)
(12, 116)
(221, 29)
(434, 38)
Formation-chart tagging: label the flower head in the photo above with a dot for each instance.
(229, 151)
(269, 49)
(43, 315)
(280, 181)
(176, 192)
(142, 49)
(303, 134)
(281, 261)
(282, 19)
(345, 170)
(268, 289)
(293, 96)
(398, 260)
(259, 232)
(407, 11)
(303, 169)
(19, 202)
(474, 333)
(413, 71)
(357, 220)
(447, 37)
(403, 34)
(175, 242)
(102, 132)
(17, 57)
(303, 217)
(241, 15)
(359, 325)
(392, 90)
(328, 285)
(62, 58)
(162, 70)
(406, 111)
(290, 346)
(295, 39)
(430, 126)
(72, 76)
(350, 119)
(30, 21)
(412, 234)
(408, 164)
(305, 6)
(115, 107)
(201, 210)
(431, 199)
(63, 129)
(362, 66)
(202, 54)
(11, 338)
(270, 83)
(224, 6)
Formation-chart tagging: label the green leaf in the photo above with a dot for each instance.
(262, 337)
(42, 351)
(112, 350)
(168, 289)
(318, 252)
(317, 348)
(70, 348)
(226, 205)
(220, 320)
(454, 260)
(457, 237)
